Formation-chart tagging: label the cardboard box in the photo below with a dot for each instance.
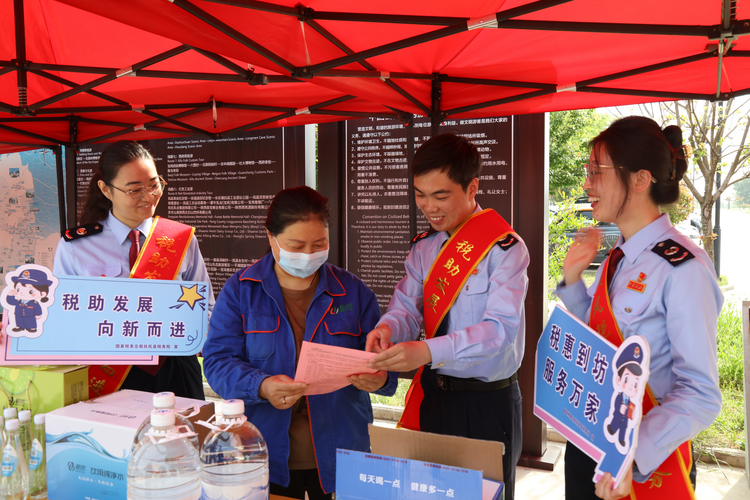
(88, 447)
(89, 443)
(475, 454)
(406, 464)
(144, 401)
(42, 389)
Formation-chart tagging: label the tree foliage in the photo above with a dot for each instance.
(682, 208)
(563, 220)
(742, 192)
(718, 133)
(569, 134)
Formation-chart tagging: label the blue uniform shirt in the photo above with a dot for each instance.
(107, 254)
(677, 314)
(486, 323)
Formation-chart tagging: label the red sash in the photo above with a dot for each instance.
(452, 267)
(672, 478)
(160, 258)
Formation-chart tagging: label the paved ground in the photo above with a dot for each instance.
(713, 483)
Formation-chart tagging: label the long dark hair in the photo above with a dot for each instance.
(295, 205)
(113, 158)
(638, 143)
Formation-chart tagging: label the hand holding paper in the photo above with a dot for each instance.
(326, 368)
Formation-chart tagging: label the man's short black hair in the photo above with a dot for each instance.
(453, 154)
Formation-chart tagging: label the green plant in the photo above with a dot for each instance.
(728, 430)
(723, 280)
(682, 208)
(563, 221)
(395, 400)
(729, 346)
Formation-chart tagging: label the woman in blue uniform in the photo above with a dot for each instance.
(117, 217)
(661, 286)
(262, 316)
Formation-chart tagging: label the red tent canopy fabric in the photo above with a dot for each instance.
(101, 71)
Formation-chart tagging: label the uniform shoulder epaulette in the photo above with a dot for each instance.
(422, 236)
(507, 242)
(82, 231)
(672, 252)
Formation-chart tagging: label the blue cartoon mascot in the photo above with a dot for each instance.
(29, 289)
(628, 382)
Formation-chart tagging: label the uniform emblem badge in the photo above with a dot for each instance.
(81, 231)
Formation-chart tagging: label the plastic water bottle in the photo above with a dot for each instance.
(38, 461)
(165, 401)
(24, 417)
(14, 481)
(8, 414)
(234, 457)
(165, 464)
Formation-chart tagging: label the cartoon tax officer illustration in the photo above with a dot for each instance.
(630, 377)
(27, 296)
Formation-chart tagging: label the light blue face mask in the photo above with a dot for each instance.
(299, 264)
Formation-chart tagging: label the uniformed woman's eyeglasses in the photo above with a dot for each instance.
(139, 192)
(592, 171)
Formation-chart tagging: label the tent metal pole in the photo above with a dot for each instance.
(382, 49)
(645, 69)
(647, 93)
(149, 125)
(108, 78)
(8, 108)
(25, 145)
(617, 28)
(71, 68)
(31, 134)
(358, 114)
(498, 102)
(245, 74)
(371, 69)
(145, 111)
(423, 38)
(21, 76)
(584, 86)
(497, 83)
(253, 107)
(178, 123)
(262, 6)
(58, 150)
(71, 168)
(436, 115)
(409, 159)
(233, 33)
(33, 119)
(105, 109)
(6, 70)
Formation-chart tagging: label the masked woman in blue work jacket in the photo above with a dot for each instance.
(261, 317)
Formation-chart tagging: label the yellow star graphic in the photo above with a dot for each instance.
(190, 295)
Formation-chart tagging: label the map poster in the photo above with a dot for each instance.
(97, 320)
(29, 209)
(590, 391)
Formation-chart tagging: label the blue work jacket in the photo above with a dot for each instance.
(250, 338)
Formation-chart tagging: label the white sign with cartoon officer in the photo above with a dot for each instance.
(29, 293)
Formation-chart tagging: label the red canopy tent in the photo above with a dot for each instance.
(80, 71)
(75, 72)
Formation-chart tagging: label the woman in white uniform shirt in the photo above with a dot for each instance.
(123, 195)
(635, 167)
